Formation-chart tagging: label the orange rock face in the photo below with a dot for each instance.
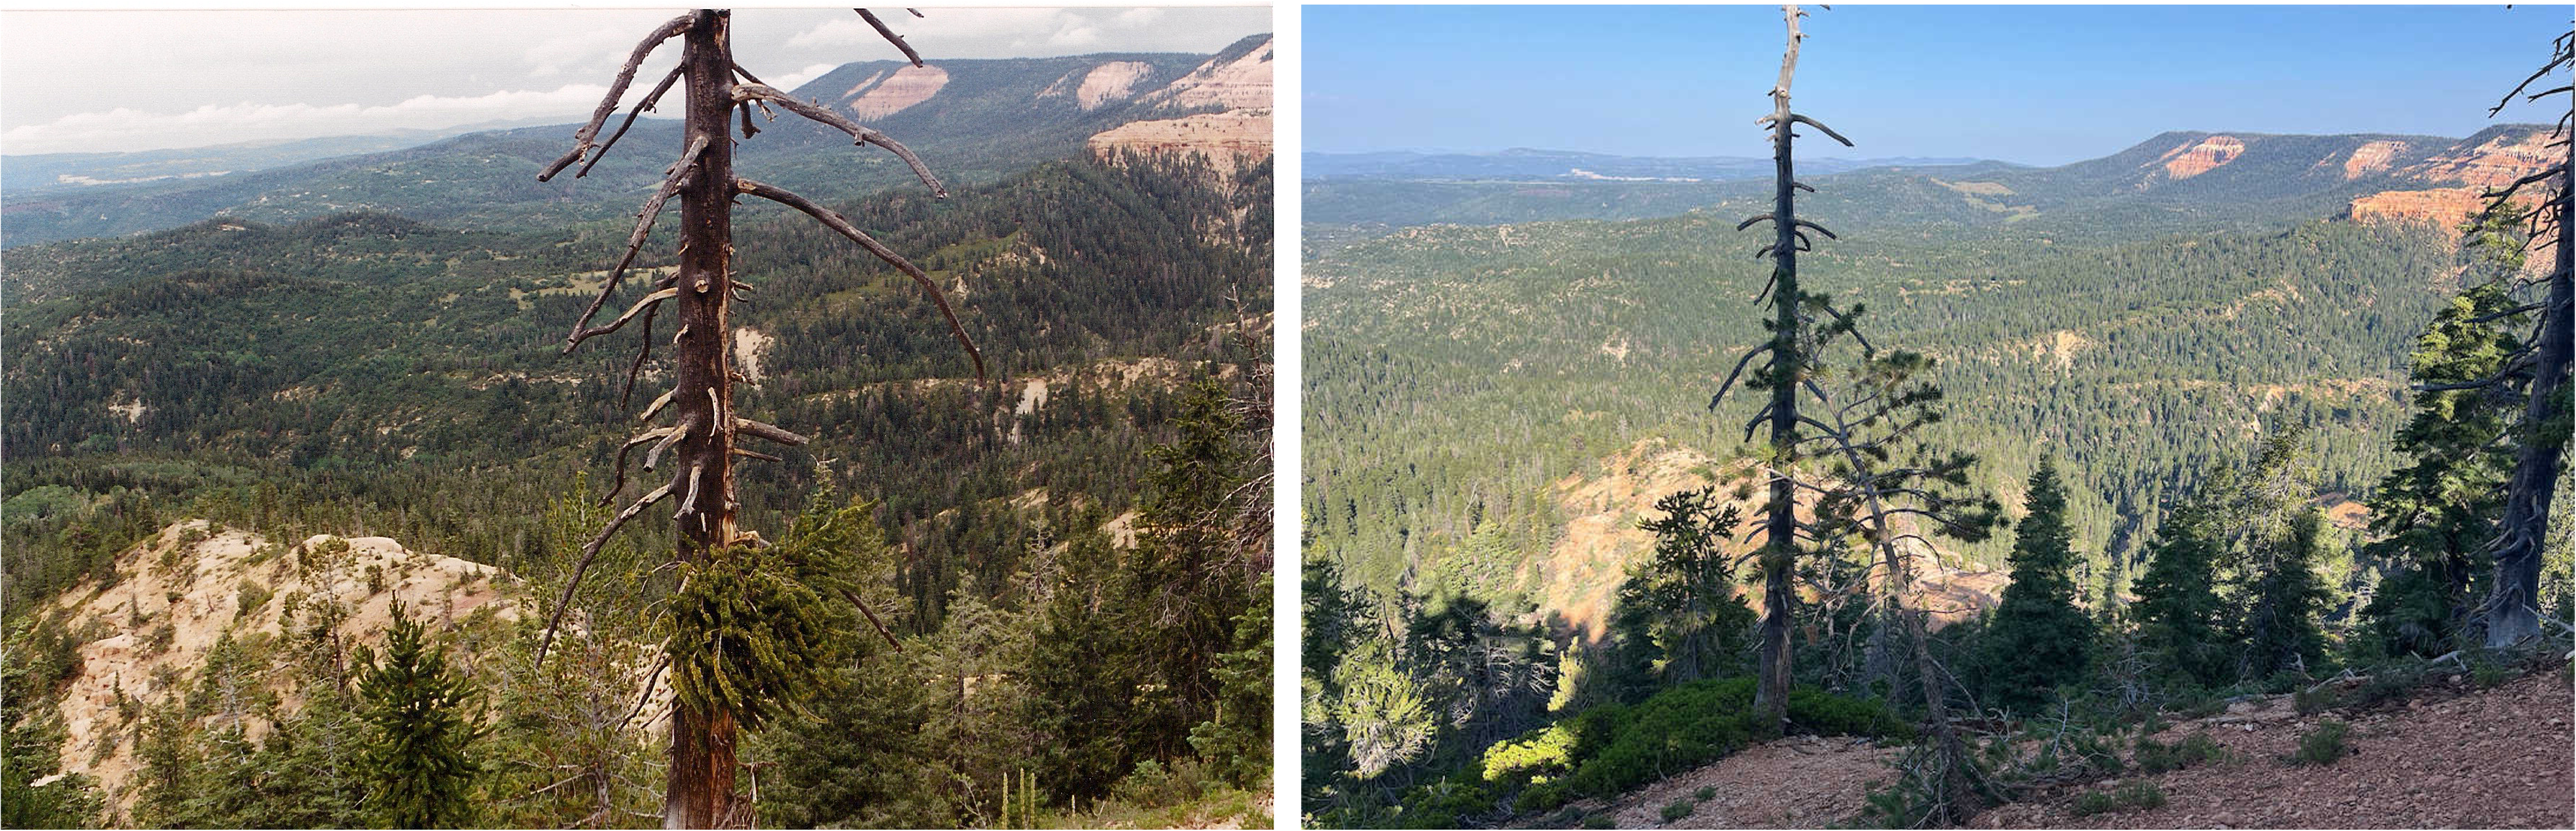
(2496, 163)
(906, 87)
(1240, 83)
(2371, 158)
(2439, 206)
(1226, 138)
(2196, 159)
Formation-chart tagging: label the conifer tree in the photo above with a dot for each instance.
(1679, 607)
(2038, 640)
(2281, 630)
(2433, 517)
(419, 763)
(2178, 609)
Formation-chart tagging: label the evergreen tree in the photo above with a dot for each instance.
(2178, 609)
(1236, 741)
(2038, 640)
(1678, 611)
(2434, 517)
(2281, 632)
(419, 763)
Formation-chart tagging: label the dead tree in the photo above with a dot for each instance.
(702, 436)
(1790, 355)
(1890, 505)
(2538, 373)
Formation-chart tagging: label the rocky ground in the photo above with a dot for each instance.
(2451, 757)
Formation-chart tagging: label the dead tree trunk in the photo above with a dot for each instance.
(2510, 614)
(701, 438)
(1780, 525)
(699, 789)
(1791, 355)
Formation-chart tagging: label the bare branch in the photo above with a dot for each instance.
(890, 36)
(767, 431)
(678, 432)
(650, 99)
(582, 138)
(1748, 221)
(620, 482)
(872, 618)
(1829, 131)
(2554, 62)
(644, 352)
(648, 301)
(1739, 370)
(690, 503)
(757, 455)
(588, 553)
(1829, 234)
(657, 406)
(859, 134)
(680, 174)
(647, 696)
(839, 223)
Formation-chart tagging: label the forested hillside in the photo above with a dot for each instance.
(370, 375)
(2149, 424)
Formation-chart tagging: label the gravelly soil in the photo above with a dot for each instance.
(2500, 758)
(2453, 757)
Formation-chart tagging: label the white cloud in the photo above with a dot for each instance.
(130, 129)
(798, 78)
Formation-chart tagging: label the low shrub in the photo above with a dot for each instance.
(1704, 794)
(2139, 795)
(2157, 757)
(1678, 809)
(2322, 745)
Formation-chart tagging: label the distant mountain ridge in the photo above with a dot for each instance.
(972, 120)
(1575, 164)
(2173, 180)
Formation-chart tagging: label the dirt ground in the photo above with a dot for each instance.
(2452, 757)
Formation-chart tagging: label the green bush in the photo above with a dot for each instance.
(1543, 797)
(2322, 745)
(1597, 821)
(1678, 809)
(1824, 713)
(2140, 795)
(2158, 757)
(1704, 794)
(2487, 674)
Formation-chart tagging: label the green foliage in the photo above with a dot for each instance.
(1678, 809)
(1679, 607)
(1612, 748)
(2037, 640)
(2139, 795)
(420, 762)
(2323, 744)
(753, 629)
(1235, 741)
(2286, 599)
(2178, 606)
(2155, 757)
(33, 660)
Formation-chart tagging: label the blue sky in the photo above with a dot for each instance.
(2030, 84)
